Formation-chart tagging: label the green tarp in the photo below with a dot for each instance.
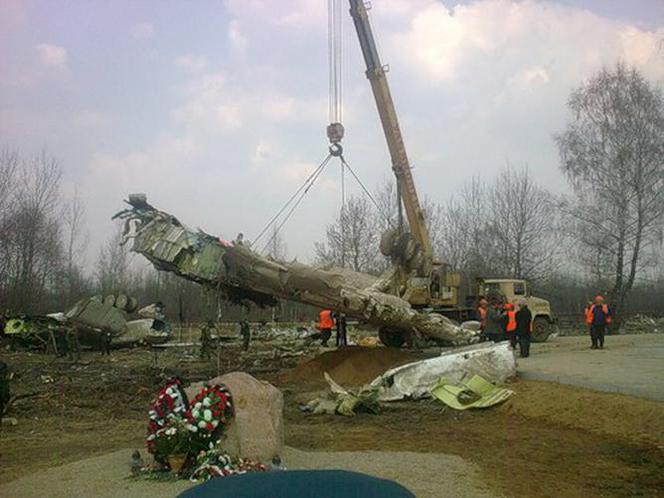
(475, 393)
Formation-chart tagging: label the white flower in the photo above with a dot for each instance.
(198, 405)
(193, 428)
(207, 415)
(215, 423)
(196, 414)
(206, 401)
(202, 424)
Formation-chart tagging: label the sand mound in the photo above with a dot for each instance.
(352, 366)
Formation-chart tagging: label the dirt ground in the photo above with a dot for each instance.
(548, 440)
(425, 474)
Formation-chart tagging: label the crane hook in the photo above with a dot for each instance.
(336, 150)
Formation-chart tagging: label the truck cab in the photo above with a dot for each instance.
(513, 290)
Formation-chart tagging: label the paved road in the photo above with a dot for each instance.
(629, 364)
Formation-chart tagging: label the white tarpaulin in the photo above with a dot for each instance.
(493, 362)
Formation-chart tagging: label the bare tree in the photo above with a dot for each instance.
(75, 242)
(353, 239)
(461, 226)
(612, 152)
(276, 247)
(388, 206)
(32, 231)
(9, 164)
(112, 270)
(521, 226)
(506, 228)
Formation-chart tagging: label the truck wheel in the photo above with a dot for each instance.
(392, 338)
(541, 329)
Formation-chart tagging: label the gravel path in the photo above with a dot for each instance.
(426, 474)
(628, 364)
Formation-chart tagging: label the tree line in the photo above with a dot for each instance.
(605, 235)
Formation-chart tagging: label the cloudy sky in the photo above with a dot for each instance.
(217, 109)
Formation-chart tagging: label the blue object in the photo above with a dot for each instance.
(299, 484)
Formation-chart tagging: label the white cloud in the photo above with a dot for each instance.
(296, 14)
(191, 63)
(210, 105)
(264, 152)
(490, 37)
(217, 106)
(142, 31)
(236, 37)
(52, 55)
(529, 78)
(89, 118)
(167, 157)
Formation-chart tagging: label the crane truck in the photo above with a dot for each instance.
(422, 280)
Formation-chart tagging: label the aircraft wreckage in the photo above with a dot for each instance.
(242, 275)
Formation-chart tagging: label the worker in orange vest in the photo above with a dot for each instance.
(510, 324)
(325, 324)
(598, 317)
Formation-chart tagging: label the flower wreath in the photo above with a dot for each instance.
(170, 406)
(204, 421)
(208, 416)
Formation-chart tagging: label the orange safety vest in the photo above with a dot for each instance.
(590, 315)
(511, 321)
(326, 321)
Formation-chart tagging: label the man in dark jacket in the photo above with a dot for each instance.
(206, 341)
(342, 328)
(524, 319)
(5, 393)
(493, 328)
(245, 332)
(106, 339)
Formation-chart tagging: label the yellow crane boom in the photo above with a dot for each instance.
(388, 117)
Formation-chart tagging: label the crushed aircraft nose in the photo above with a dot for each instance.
(241, 274)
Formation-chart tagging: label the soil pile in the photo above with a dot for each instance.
(352, 366)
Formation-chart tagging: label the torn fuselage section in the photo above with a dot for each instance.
(242, 274)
